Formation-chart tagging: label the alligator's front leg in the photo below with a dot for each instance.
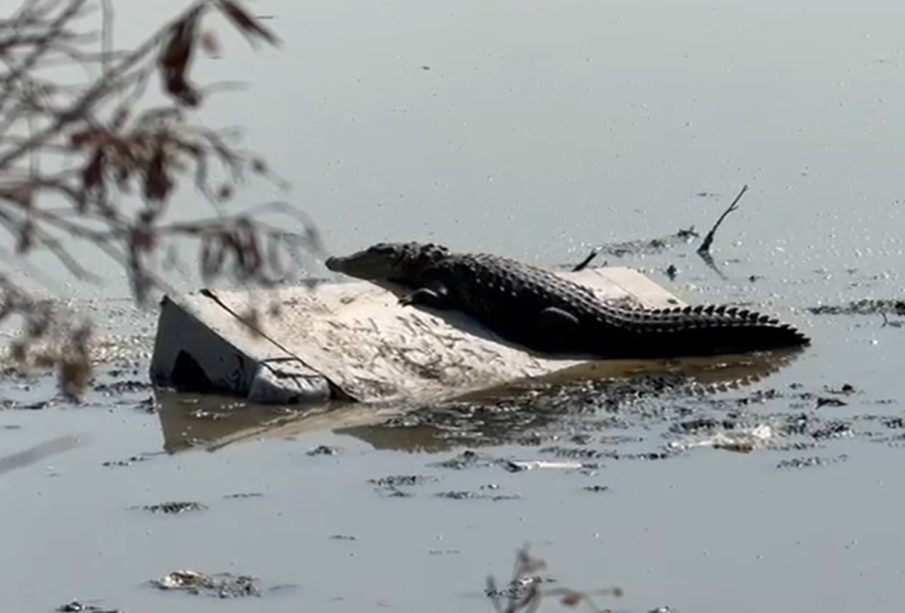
(436, 297)
(553, 318)
(555, 329)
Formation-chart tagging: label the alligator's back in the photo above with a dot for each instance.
(543, 311)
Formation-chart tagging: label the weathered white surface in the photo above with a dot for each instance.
(353, 339)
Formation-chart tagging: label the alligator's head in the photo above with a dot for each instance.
(388, 261)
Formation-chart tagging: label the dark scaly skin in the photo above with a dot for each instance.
(542, 311)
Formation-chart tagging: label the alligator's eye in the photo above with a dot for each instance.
(383, 249)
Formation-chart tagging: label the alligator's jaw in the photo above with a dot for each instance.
(361, 265)
(334, 263)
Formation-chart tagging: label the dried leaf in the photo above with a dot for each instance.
(44, 359)
(139, 279)
(93, 174)
(248, 253)
(21, 194)
(142, 240)
(74, 373)
(273, 256)
(17, 351)
(25, 240)
(89, 136)
(246, 23)
(213, 255)
(120, 117)
(175, 57)
(210, 43)
(225, 192)
(158, 184)
(205, 255)
(572, 599)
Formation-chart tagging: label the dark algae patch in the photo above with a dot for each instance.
(811, 461)
(174, 508)
(471, 495)
(863, 306)
(76, 606)
(394, 481)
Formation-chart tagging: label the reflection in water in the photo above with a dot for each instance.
(209, 421)
(522, 411)
(39, 452)
(502, 414)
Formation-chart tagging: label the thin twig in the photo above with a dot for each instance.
(584, 263)
(708, 259)
(106, 36)
(40, 49)
(705, 244)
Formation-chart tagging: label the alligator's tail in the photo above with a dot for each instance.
(705, 330)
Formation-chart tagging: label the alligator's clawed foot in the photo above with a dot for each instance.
(424, 296)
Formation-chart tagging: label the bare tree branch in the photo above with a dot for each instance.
(90, 162)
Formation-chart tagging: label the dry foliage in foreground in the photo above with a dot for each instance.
(91, 160)
(524, 593)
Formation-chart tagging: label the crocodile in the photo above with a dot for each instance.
(544, 312)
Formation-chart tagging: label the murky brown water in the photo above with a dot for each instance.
(538, 130)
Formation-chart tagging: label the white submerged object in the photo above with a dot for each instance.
(351, 341)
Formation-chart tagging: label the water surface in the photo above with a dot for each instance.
(536, 130)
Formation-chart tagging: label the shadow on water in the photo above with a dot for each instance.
(497, 415)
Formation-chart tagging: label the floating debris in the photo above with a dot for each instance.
(467, 495)
(244, 495)
(322, 450)
(830, 402)
(516, 466)
(467, 459)
(403, 480)
(643, 246)
(864, 306)
(573, 452)
(597, 489)
(517, 587)
(128, 461)
(126, 386)
(833, 429)
(810, 462)
(847, 388)
(389, 486)
(78, 607)
(174, 508)
(740, 441)
(224, 585)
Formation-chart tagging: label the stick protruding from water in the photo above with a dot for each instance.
(705, 244)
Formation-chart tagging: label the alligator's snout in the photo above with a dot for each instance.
(363, 265)
(347, 264)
